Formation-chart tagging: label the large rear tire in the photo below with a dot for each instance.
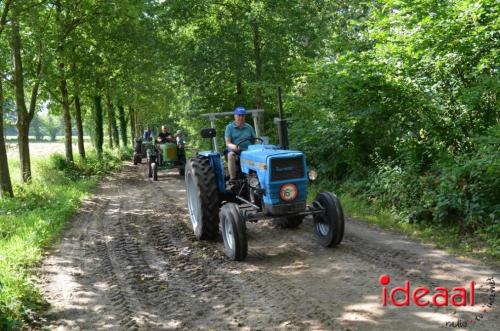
(154, 168)
(182, 162)
(234, 232)
(329, 227)
(202, 198)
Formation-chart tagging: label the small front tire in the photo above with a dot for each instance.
(233, 232)
(329, 227)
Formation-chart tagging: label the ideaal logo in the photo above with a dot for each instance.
(440, 295)
(460, 296)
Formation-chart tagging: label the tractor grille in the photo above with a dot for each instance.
(289, 168)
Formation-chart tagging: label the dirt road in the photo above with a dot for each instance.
(128, 260)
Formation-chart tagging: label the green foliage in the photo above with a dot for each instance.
(31, 220)
(458, 196)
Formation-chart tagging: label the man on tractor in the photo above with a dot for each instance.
(164, 136)
(148, 134)
(238, 136)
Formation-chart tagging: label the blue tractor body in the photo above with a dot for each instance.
(273, 167)
(271, 184)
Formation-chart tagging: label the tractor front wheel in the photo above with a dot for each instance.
(202, 198)
(233, 232)
(329, 227)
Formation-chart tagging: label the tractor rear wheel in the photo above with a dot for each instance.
(234, 232)
(329, 227)
(150, 169)
(202, 198)
(182, 162)
(154, 168)
(290, 222)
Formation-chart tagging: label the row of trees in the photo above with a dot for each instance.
(79, 58)
(394, 87)
(146, 61)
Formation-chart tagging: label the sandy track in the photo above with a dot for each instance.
(129, 261)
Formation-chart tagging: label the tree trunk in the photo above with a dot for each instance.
(79, 127)
(239, 91)
(110, 132)
(5, 183)
(22, 113)
(259, 100)
(112, 129)
(68, 144)
(99, 132)
(131, 116)
(123, 125)
(24, 146)
(116, 138)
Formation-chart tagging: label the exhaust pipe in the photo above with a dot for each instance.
(281, 123)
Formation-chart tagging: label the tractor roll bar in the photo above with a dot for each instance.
(212, 116)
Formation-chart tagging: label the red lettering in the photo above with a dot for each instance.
(443, 294)
(384, 296)
(405, 290)
(462, 295)
(471, 298)
(417, 296)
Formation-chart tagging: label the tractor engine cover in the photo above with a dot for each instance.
(169, 152)
(282, 175)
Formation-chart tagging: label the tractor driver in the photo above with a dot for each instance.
(148, 134)
(236, 132)
(164, 136)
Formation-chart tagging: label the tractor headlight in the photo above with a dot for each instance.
(253, 182)
(312, 174)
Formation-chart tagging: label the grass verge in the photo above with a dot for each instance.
(31, 221)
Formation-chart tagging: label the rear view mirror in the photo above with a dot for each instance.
(208, 133)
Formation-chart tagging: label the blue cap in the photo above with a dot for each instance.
(240, 111)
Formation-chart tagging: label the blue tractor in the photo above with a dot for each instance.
(272, 184)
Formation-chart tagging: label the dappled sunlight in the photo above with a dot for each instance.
(147, 263)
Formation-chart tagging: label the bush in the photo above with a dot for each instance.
(462, 191)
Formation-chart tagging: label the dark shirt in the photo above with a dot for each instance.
(164, 137)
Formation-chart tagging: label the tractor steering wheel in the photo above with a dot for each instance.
(251, 139)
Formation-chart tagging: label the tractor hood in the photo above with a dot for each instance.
(256, 155)
(274, 168)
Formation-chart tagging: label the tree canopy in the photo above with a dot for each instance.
(390, 93)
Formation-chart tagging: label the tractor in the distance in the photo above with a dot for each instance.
(272, 184)
(160, 156)
(142, 143)
(165, 156)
